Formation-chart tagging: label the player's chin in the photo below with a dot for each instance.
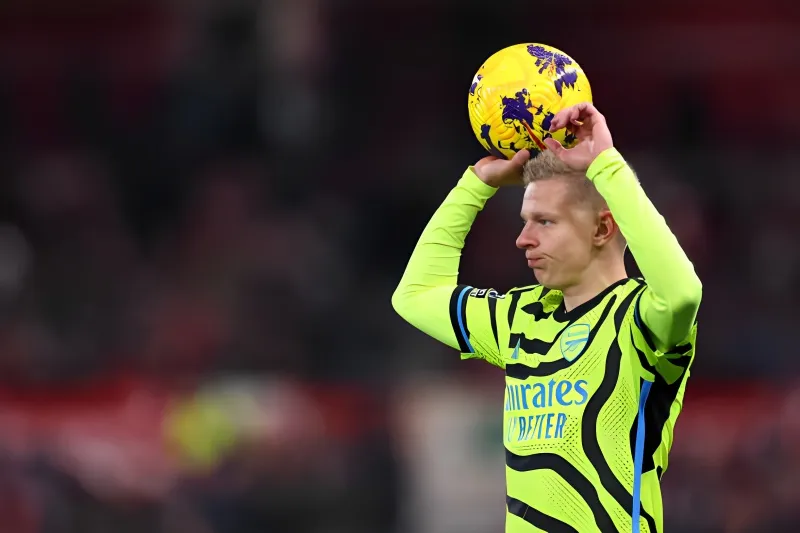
(541, 275)
(547, 279)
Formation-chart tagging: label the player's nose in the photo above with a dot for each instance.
(527, 239)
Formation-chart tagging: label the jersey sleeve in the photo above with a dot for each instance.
(667, 307)
(670, 362)
(479, 320)
(429, 296)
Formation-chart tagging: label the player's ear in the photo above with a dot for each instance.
(606, 228)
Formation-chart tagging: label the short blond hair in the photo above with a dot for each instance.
(547, 166)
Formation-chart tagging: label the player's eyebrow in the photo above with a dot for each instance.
(536, 215)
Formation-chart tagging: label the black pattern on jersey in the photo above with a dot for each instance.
(648, 337)
(659, 402)
(679, 351)
(459, 308)
(571, 475)
(532, 346)
(538, 346)
(515, 296)
(536, 309)
(537, 518)
(642, 357)
(493, 319)
(591, 445)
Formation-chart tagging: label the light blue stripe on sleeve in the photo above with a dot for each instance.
(638, 457)
(459, 314)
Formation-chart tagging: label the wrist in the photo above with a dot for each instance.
(603, 160)
(474, 182)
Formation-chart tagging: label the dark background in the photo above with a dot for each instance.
(205, 207)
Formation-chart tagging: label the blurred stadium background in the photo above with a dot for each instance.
(206, 205)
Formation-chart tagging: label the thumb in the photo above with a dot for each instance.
(487, 159)
(555, 147)
(521, 157)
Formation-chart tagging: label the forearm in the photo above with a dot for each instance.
(669, 306)
(423, 294)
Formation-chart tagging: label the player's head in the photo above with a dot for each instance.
(569, 231)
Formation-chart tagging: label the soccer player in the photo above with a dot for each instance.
(596, 362)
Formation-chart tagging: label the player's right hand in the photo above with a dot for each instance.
(498, 172)
(589, 125)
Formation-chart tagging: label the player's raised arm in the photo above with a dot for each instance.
(668, 307)
(429, 295)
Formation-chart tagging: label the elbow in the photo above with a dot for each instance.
(685, 303)
(401, 301)
(691, 294)
(410, 301)
(682, 308)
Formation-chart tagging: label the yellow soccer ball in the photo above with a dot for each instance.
(518, 91)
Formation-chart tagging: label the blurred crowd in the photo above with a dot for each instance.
(205, 207)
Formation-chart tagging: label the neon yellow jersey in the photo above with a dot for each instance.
(593, 393)
(578, 386)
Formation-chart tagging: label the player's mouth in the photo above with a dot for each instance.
(535, 261)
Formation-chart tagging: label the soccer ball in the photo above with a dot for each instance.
(518, 91)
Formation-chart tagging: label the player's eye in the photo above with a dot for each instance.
(545, 222)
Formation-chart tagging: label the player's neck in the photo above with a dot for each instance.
(595, 280)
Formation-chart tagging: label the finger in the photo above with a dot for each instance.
(576, 116)
(588, 113)
(580, 113)
(585, 109)
(555, 147)
(521, 157)
(563, 117)
(486, 160)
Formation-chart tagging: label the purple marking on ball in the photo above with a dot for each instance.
(517, 108)
(567, 79)
(485, 130)
(545, 59)
(548, 118)
(475, 84)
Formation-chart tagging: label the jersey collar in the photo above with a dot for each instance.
(562, 315)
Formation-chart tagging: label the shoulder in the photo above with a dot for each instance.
(635, 283)
(630, 289)
(624, 302)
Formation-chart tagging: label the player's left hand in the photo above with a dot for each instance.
(590, 127)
